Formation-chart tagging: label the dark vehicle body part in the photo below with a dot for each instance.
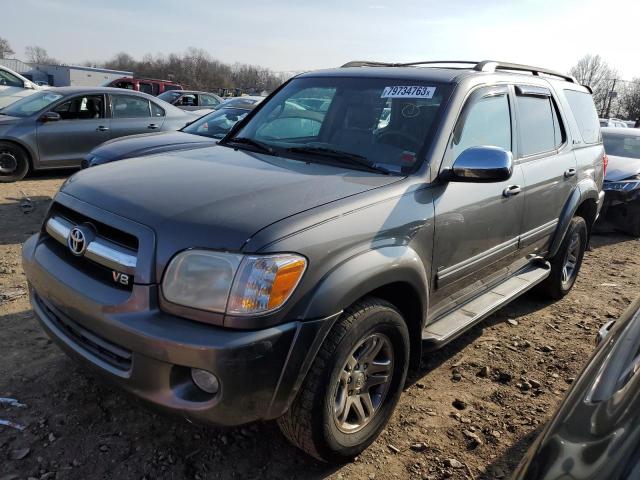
(204, 132)
(298, 268)
(191, 100)
(150, 86)
(622, 181)
(57, 127)
(595, 434)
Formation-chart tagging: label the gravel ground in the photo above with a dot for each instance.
(470, 412)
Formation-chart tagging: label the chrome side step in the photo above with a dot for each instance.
(456, 322)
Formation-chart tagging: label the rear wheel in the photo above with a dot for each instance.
(567, 262)
(14, 164)
(353, 385)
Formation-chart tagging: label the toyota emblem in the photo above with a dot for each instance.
(77, 241)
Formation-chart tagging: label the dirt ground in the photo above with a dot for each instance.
(509, 373)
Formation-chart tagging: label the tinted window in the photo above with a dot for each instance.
(9, 80)
(146, 88)
(156, 111)
(85, 107)
(486, 123)
(218, 123)
(125, 106)
(536, 124)
(622, 145)
(172, 87)
(584, 111)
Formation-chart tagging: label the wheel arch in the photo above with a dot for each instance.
(583, 201)
(31, 156)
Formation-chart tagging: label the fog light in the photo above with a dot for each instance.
(205, 381)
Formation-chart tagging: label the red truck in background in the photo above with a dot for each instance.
(146, 85)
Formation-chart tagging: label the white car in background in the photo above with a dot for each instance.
(14, 86)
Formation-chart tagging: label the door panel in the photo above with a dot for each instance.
(548, 165)
(81, 128)
(131, 115)
(477, 226)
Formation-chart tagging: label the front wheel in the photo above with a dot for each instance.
(14, 164)
(353, 385)
(567, 262)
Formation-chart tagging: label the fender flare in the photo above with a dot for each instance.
(585, 190)
(364, 273)
(340, 287)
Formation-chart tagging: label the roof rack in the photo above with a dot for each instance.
(483, 66)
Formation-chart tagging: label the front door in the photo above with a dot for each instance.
(82, 126)
(477, 224)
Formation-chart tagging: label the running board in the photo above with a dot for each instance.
(458, 321)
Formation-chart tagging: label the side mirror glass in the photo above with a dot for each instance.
(50, 117)
(482, 164)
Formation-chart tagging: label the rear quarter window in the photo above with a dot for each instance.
(584, 111)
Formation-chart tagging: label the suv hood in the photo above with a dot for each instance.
(621, 168)
(147, 144)
(214, 197)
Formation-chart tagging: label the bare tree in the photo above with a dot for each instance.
(36, 54)
(630, 101)
(5, 48)
(594, 71)
(197, 69)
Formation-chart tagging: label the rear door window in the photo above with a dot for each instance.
(584, 111)
(127, 106)
(208, 101)
(538, 123)
(146, 88)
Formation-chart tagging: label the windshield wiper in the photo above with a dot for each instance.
(344, 157)
(250, 141)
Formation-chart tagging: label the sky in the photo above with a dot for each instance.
(287, 35)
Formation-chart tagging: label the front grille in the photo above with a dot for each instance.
(110, 255)
(108, 352)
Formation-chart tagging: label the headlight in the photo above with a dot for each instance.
(236, 284)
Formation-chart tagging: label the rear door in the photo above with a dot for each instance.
(82, 126)
(548, 164)
(132, 114)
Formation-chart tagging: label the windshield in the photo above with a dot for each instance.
(622, 145)
(380, 124)
(217, 124)
(31, 104)
(169, 96)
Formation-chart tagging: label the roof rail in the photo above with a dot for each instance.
(483, 66)
(492, 66)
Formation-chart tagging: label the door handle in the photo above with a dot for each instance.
(569, 173)
(153, 126)
(512, 190)
(102, 128)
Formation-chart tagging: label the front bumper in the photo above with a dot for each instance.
(150, 353)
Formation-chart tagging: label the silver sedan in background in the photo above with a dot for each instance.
(56, 128)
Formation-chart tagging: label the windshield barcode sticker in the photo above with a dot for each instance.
(408, 92)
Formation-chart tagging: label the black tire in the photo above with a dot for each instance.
(558, 284)
(14, 164)
(311, 424)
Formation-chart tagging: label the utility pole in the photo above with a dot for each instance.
(611, 94)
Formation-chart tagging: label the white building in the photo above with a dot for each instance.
(64, 75)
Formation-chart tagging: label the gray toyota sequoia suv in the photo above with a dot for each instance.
(357, 218)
